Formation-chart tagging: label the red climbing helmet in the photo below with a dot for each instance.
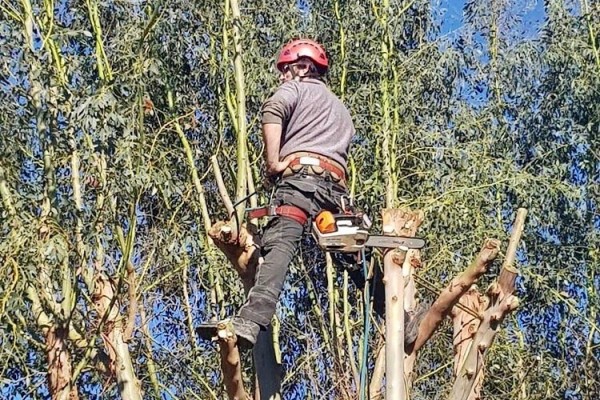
(298, 48)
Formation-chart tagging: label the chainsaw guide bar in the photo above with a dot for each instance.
(393, 242)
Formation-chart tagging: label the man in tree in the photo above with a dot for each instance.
(307, 132)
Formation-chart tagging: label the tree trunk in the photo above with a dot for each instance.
(242, 252)
(59, 365)
(126, 379)
(406, 223)
(268, 370)
(111, 322)
(394, 325)
(398, 267)
(465, 327)
(231, 365)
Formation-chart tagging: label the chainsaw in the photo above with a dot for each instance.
(348, 233)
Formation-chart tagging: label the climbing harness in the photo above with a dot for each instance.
(295, 213)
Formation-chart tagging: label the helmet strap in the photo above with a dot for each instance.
(295, 75)
(312, 71)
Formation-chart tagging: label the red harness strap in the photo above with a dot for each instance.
(293, 212)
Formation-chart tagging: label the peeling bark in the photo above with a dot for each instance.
(396, 274)
(451, 295)
(499, 301)
(465, 327)
(59, 364)
(240, 250)
(112, 334)
(133, 305)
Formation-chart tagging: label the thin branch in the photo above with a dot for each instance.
(240, 86)
(509, 272)
(221, 185)
(194, 174)
(5, 193)
(145, 326)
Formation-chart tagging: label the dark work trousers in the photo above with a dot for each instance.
(280, 239)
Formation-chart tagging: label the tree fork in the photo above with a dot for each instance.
(501, 302)
(107, 305)
(451, 295)
(237, 241)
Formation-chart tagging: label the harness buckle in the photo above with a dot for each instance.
(271, 210)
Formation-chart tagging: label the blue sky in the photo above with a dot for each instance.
(531, 11)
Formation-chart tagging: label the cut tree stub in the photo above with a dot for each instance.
(240, 250)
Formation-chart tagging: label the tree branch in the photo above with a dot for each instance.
(221, 186)
(501, 302)
(451, 295)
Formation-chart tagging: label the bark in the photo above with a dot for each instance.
(242, 253)
(394, 326)
(221, 186)
(375, 391)
(465, 326)
(412, 261)
(452, 294)
(404, 223)
(133, 305)
(341, 368)
(231, 363)
(111, 323)
(59, 364)
(241, 124)
(148, 342)
(98, 358)
(240, 250)
(500, 301)
(348, 332)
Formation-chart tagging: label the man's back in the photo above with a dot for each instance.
(313, 119)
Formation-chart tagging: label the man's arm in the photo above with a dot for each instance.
(272, 138)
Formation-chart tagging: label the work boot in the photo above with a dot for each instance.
(245, 330)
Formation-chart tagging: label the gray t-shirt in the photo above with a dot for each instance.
(313, 119)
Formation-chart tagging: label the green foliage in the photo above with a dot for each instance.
(466, 125)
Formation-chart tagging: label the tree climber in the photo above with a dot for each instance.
(307, 132)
